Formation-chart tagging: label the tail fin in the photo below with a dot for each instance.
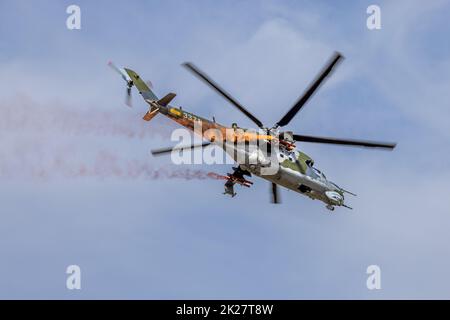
(163, 102)
(151, 114)
(144, 90)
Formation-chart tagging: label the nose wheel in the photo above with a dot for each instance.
(330, 207)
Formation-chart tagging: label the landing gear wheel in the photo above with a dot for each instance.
(330, 207)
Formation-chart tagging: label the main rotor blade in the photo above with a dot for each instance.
(157, 152)
(326, 71)
(196, 71)
(358, 143)
(275, 194)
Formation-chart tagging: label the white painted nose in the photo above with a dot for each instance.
(334, 197)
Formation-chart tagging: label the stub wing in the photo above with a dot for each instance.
(231, 180)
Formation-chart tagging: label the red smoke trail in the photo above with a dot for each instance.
(23, 115)
(106, 165)
(57, 142)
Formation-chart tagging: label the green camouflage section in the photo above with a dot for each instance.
(301, 165)
(141, 85)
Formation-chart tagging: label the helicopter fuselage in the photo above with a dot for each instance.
(294, 169)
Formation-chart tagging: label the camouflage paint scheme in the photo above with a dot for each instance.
(296, 171)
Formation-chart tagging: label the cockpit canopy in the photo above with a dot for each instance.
(318, 173)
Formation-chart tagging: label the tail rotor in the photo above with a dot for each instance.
(126, 78)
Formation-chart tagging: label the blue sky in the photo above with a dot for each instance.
(140, 237)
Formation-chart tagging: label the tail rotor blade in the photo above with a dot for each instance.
(128, 98)
(127, 80)
(119, 71)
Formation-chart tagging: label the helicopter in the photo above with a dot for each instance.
(294, 169)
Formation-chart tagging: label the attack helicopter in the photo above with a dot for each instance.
(294, 169)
